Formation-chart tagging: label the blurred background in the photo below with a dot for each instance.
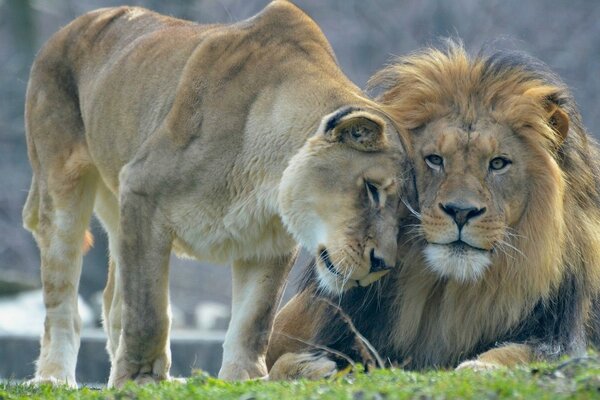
(364, 34)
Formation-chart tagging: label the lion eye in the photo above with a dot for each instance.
(499, 164)
(434, 161)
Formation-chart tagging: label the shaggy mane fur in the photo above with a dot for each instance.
(542, 295)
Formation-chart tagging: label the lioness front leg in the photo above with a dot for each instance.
(143, 352)
(257, 288)
(508, 355)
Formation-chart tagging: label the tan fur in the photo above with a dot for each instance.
(292, 335)
(302, 366)
(541, 220)
(543, 227)
(228, 143)
(508, 355)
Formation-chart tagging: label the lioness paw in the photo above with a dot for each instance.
(302, 365)
(54, 381)
(149, 372)
(242, 372)
(139, 379)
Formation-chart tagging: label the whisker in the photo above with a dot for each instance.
(365, 299)
(501, 248)
(412, 226)
(511, 232)
(413, 235)
(504, 243)
(320, 347)
(412, 210)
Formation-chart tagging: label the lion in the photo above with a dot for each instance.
(499, 264)
(226, 143)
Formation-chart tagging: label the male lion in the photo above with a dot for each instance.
(209, 140)
(501, 263)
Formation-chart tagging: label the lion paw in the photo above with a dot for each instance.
(476, 365)
(302, 365)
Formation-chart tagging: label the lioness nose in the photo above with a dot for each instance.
(461, 213)
(377, 263)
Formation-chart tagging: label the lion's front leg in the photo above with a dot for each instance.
(257, 288)
(508, 355)
(143, 353)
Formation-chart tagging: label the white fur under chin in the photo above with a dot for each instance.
(464, 265)
(331, 283)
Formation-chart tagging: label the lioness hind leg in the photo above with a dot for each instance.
(63, 217)
(58, 208)
(302, 366)
(111, 310)
(257, 288)
(107, 211)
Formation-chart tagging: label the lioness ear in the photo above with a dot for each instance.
(360, 129)
(559, 120)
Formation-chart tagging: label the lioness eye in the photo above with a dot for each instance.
(373, 193)
(499, 164)
(434, 161)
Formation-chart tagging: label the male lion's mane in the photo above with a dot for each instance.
(543, 295)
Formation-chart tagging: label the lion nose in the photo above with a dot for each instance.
(377, 263)
(461, 213)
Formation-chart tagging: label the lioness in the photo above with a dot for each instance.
(227, 143)
(500, 264)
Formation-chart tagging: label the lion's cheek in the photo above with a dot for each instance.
(514, 210)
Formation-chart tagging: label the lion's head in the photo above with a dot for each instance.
(339, 197)
(486, 134)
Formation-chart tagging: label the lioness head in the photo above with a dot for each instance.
(485, 134)
(339, 197)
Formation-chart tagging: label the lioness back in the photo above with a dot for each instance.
(128, 58)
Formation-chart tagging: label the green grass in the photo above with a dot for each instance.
(577, 378)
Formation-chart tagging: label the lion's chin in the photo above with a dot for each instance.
(459, 262)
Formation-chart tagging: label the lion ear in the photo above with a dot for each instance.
(558, 120)
(358, 128)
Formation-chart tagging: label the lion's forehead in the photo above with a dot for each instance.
(477, 142)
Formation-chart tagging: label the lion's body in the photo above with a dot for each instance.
(533, 295)
(179, 135)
